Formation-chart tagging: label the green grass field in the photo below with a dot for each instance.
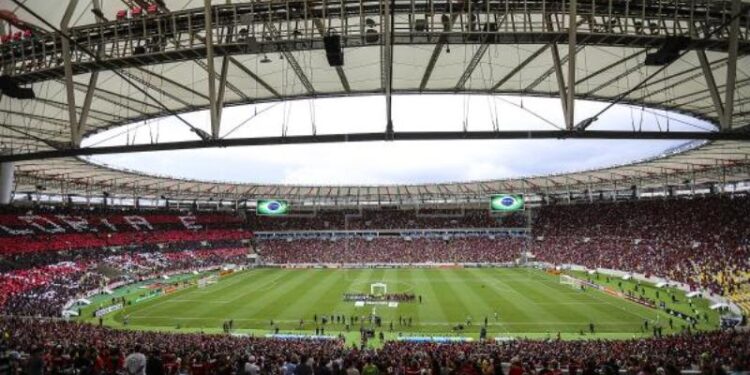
(528, 302)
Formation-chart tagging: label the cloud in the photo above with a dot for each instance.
(390, 162)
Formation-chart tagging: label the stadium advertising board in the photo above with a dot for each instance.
(107, 310)
(272, 207)
(506, 203)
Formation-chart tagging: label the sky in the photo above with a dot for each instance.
(375, 163)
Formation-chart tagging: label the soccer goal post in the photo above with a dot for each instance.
(206, 281)
(378, 289)
(570, 281)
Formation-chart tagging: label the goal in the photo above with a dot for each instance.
(206, 281)
(571, 281)
(378, 289)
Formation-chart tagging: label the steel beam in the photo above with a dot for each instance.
(549, 71)
(213, 108)
(520, 66)
(223, 84)
(734, 35)
(372, 137)
(290, 59)
(556, 64)
(69, 83)
(572, 55)
(158, 89)
(431, 64)
(255, 77)
(611, 66)
(471, 66)
(386, 67)
(114, 69)
(442, 41)
(711, 84)
(83, 120)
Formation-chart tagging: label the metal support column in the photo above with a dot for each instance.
(734, 35)
(68, 66)
(560, 82)
(387, 68)
(7, 174)
(211, 71)
(711, 85)
(222, 88)
(83, 119)
(572, 33)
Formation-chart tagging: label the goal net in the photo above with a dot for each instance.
(378, 289)
(571, 281)
(206, 281)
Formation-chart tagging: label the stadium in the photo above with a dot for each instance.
(296, 187)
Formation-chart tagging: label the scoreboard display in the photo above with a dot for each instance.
(272, 207)
(506, 203)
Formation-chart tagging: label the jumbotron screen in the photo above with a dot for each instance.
(272, 207)
(506, 203)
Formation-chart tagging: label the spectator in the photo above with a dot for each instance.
(135, 362)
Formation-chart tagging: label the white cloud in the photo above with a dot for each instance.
(390, 162)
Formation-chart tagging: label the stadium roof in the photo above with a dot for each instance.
(172, 60)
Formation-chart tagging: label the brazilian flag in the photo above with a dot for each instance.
(272, 207)
(506, 203)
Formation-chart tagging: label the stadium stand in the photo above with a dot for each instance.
(652, 237)
(63, 347)
(701, 241)
(387, 219)
(694, 241)
(48, 258)
(393, 250)
(82, 230)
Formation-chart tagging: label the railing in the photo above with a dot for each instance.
(271, 26)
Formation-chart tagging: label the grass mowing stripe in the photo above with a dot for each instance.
(498, 298)
(352, 284)
(460, 301)
(520, 303)
(212, 292)
(267, 305)
(314, 294)
(189, 293)
(617, 306)
(433, 307)
(547, 297)
(250, 294)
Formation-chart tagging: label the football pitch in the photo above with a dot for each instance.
(514, 302)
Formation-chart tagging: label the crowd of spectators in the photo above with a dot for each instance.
(13, 262)
(387, 219)
(694, 241)
(43, 291)
(57, 347)
(392, 250)
(74, 230)
(701, 241)
(51, 256)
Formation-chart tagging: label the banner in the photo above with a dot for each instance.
(104, 311)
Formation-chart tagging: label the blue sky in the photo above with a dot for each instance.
(393, 162)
